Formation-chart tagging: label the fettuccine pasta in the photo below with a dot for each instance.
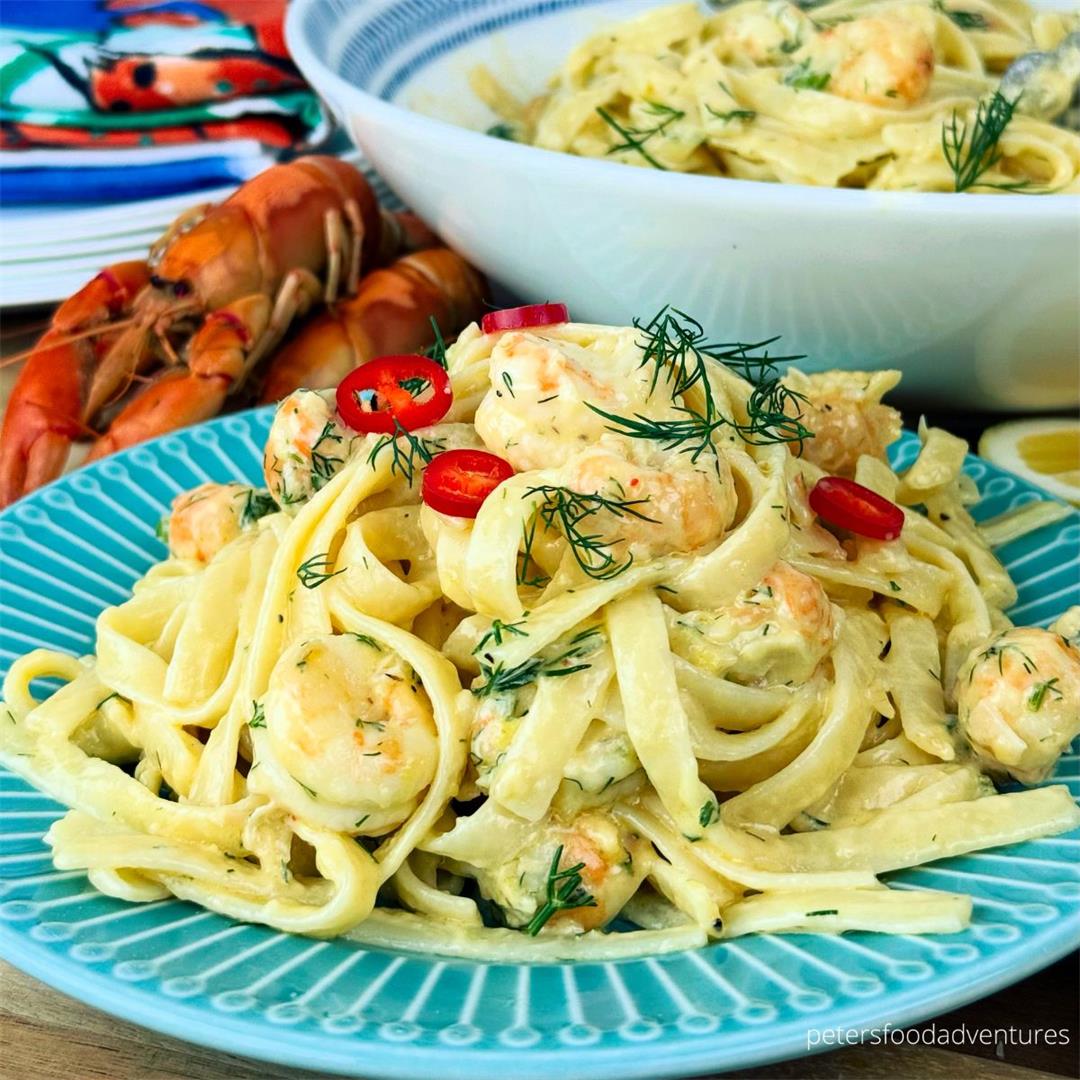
(648, 681)
(915, 95)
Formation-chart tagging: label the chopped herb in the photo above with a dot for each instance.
(708, 813)
(360, 821)
(369, 641)
(161, 529)
(509, 383)
(495, 633)
(528, 537)
(374, 753)
(733, 114)
(824, 911)
(966, 20)
(311, 794)
(564, 892)
(315, 571)
(678, 348)
(635, 138)
(894, 586)
(501, 131)
(565, 510)
(500, 679)
(407, 455)
(1039, 692)
(257, 504)
(258, 715)
(437, 352)
(114, 694)
(970, 157)
(378, 725)
(415, 385)
(999, 650)
(801, 77)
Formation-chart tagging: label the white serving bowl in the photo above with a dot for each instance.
(975, 297)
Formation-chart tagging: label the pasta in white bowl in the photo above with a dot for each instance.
(604, 625)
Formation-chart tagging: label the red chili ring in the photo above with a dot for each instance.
(851, 506)
(457, 482)
(391, 391)
(521, 318)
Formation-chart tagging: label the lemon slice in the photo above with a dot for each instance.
(1046, 452)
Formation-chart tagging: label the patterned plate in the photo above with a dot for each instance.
(74, 547)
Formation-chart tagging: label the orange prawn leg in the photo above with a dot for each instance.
(174, 399)
(47, 409)
(391, 313)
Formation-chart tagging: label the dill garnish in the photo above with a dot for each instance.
(679, 350)
(565, 510)
(436, 352)
(407, 455)
(528, 538)
(501, 131)
(258, 715)
(707, 814)
(824, 911)
(497, 630)
(500, 679)
(257, 504)
(970, 157)
(999, 650)
(636, 138)
(322, 464)
(314, 571)
(564, 891)
(1039, 692)
(966, 20)
(161, 529)
(734, 114)
(801, 77)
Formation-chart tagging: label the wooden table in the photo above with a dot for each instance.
(47, 1036)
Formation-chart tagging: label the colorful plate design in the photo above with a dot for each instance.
(72, 548)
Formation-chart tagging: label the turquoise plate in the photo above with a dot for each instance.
(70, 549)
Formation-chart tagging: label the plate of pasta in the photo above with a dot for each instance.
(572, 690)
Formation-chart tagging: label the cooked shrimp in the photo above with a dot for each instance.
(537, 415)
(1018, 701)
(206, 518)
(306, 446)
(612, 863)
(679, 505)
(762, 31)
(777, 632)
(878, 60)
(350, 722)
(844, 411)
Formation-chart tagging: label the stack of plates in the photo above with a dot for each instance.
(46, 255)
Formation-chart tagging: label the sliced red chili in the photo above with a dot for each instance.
(410, 391)
(521, 318)
(457, 482)
(856, 508)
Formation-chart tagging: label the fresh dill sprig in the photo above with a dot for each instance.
(257, 504)
(499, 679)
(497, 630)
(258, 715)
(966, 20)
(733, 114)
(565, 510)
(528, 538)
(678, 348)
(501, 131)
(1039, 692)
(564, 891)
(436, 352)
(999, 650)
(803, 77)
(415, 385)
(161, 529)
(972, 152)
(315, 571)
(636, 138)
(409, 451)
(323, 463)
